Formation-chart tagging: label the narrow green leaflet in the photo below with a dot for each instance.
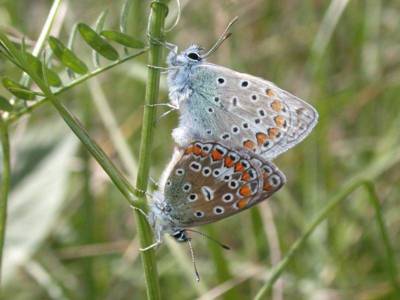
(18, 90)
(4, 104)
(67, 57)
(123, 39)
(52, 77)
(101, 20)
(97, 42)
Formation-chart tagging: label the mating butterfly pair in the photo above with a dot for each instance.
(240, 123)
(231, 126)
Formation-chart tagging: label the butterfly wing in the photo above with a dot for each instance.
(245, 111)
(210, 182)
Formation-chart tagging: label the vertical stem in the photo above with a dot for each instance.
(88, 211)
(158, 12)
(5, 186)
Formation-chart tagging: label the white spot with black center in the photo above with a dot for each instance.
(267, 169)
(244, 84)
(221, 150)
(195, 166)
(179, 172)
(235, 129)
(233, 184)
(221, 81)
(206, 148)
(225, 136)
(268, 144)
(216, 172)
(199, 214)
(186, 187)
(218, 210)
(227, 178)
(192, 197)
(274, 180)
(261, 113)
(206, 171)
(228, 197)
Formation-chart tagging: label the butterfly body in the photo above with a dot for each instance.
(237, 109)
(206, 182)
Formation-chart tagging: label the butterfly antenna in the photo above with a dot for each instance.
(193, 261)
(221, 39)
(178, 16)
(210, 238)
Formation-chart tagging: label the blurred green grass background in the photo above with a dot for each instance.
(70, 235)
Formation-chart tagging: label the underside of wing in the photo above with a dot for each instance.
(250, 112)
(211, 182)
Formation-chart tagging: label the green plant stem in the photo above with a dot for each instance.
(332, 203)
(108, 166)
(14, 117)
(156, 21)
(5, 186)
(88, 211)
(41, 42)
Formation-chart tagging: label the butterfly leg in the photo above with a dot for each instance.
(171, 47)
(154, 245)
(164, 70)
(153, 181)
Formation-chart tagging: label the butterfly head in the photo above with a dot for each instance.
(161, 221)
(190, 56)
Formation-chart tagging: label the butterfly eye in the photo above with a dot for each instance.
(194, 56)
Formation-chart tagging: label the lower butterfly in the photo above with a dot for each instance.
(207, 182)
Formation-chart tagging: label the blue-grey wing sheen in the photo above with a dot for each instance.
(242, 111)
(210, 182)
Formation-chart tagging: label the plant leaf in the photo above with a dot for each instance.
(67, 57)
(101, 20)
(52, 77)
(18, 90)
(123, 39)
(97, 42)
(4, 104)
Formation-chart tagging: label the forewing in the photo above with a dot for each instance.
(254, 113)
(215, 183)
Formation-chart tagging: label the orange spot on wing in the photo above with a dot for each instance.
(279, 121)
(269, 93)
(197, 150)
(242, 203)
(216, 155)
(245, 190)
(266, 186)
(228, 162)
(276, 105)
(261, 138)
(245, 176)
(239, 167)
(189, 150)
(272, 132)
(249, 144)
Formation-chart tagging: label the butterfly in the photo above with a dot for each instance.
(206, 182)
(237, 109)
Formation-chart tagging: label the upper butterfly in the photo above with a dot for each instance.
(238, 109)
(206, 182)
